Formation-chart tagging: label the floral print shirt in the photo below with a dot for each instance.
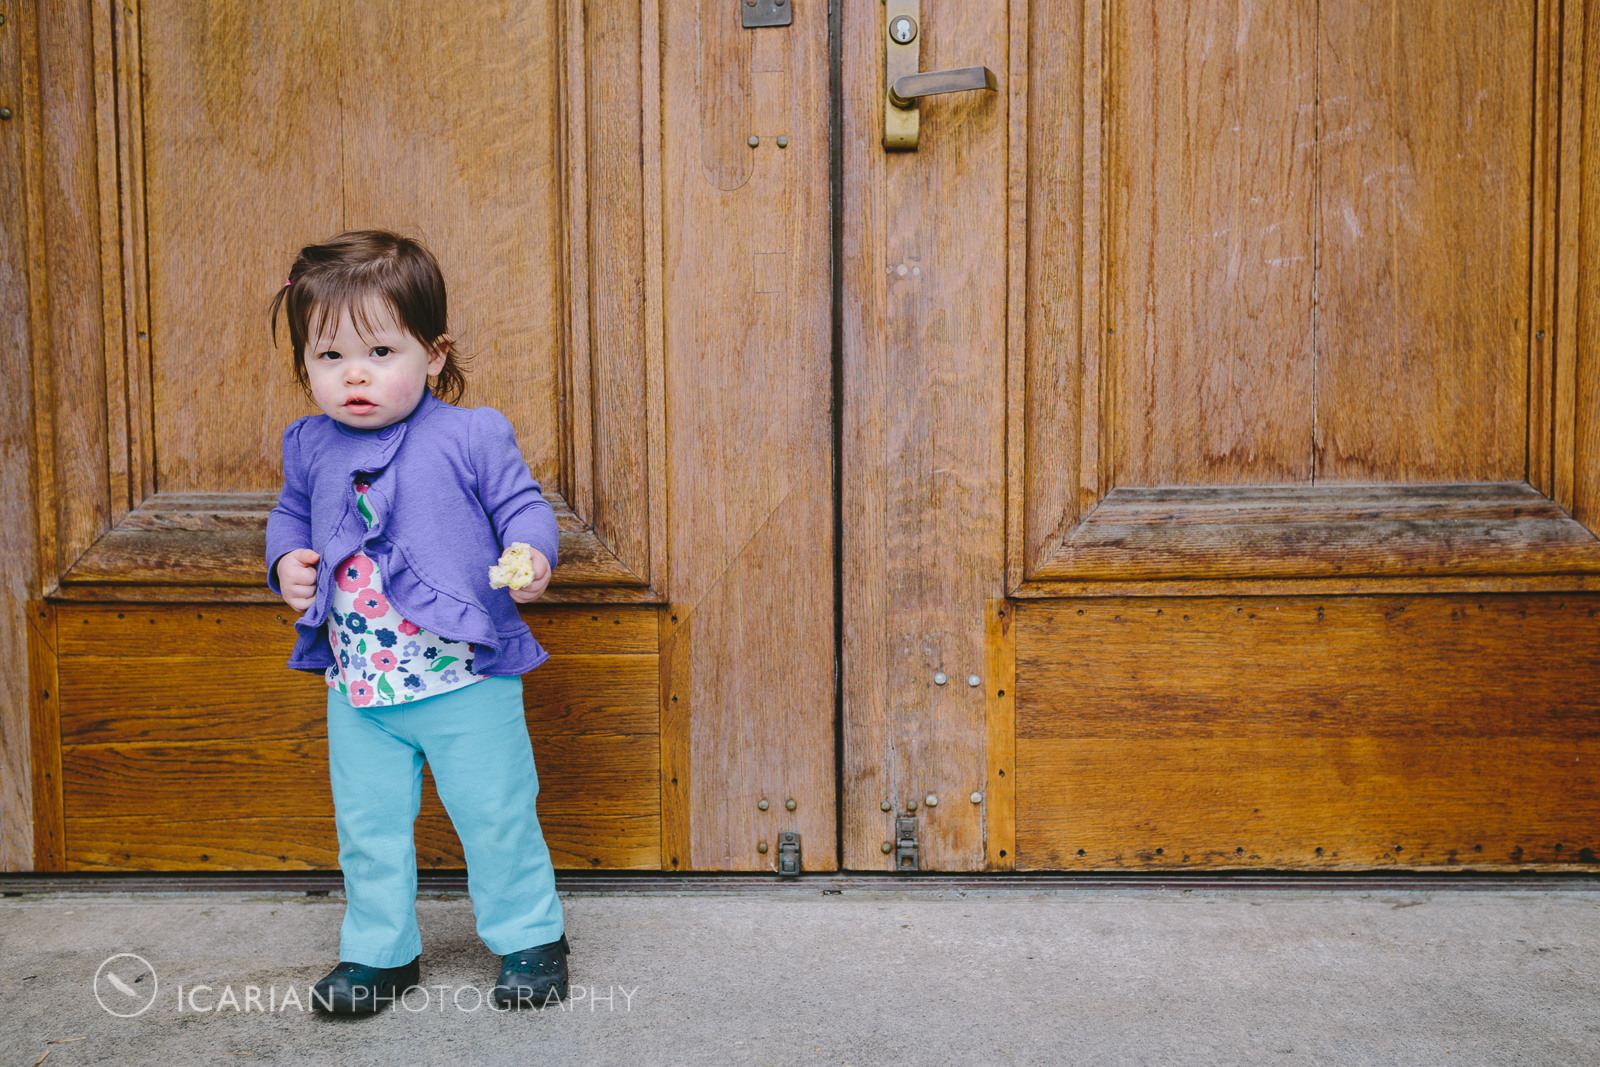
(380, 657)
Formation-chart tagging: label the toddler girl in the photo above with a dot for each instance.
(395, 504)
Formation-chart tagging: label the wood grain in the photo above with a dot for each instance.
(103, 704)
(147, 735)
(205, 78)
(584, 774)
(1304, 732)
(132, 439)
(615, 219)
(1423, 322)
(107, 60)
(923, 435)
(1564, 236)
(748, 461)
(676, 757)
(19, 535)
(240, 103)
(1212, 227)
(43, 738)
(1544, 241)
(1586, 375)
(1324, 531)
(1459, 583)
(723, 77)
(219, 539)
(1055, 385)
(29, 133)
(195, 842)
(1241, 803)
(310, 843)
(999, 690)
(462, 92)
(70, 349)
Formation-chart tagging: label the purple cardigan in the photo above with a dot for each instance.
(449, 490)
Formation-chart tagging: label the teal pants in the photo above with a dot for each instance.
(475, 740)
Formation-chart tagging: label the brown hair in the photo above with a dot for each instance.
(345, 274)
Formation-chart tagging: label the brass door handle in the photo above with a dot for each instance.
(904, 83)
(906, 91)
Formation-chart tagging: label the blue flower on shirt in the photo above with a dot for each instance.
(413, 682)
(411, 649)
(386, 638)
(344, 659)
(449, 676)
(358, 663)
(355, 623)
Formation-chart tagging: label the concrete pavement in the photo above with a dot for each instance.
(844, 977)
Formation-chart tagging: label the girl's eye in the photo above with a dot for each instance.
(381, 351)
(328, 355)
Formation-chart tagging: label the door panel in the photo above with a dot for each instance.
(923, 463)
(1249, 349)
(1210, 185)
(162, 774)
(1312, 732)
(1423, 198)
(746, 253)
(652, 318)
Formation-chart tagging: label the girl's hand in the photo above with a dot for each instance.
(297, 577)
(541, 578)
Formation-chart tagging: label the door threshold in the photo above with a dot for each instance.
(655, 883)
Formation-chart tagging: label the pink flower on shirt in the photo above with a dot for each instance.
(384, 660)
(409, 628)
(355, 573)
(360, 694)
(372, 604)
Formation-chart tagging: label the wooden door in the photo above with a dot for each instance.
(643, 292)
(1215, 396)
(1219, 398)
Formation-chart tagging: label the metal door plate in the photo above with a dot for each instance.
(900, 125)
(759, 13)
(905, 844)
(788, 854)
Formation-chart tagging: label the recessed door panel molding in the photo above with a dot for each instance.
(1280, 253)
(527, 177)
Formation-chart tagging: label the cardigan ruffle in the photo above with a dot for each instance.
(449, 489)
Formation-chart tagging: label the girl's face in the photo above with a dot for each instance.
(369, 379)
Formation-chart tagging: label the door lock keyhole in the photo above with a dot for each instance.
(903, 29)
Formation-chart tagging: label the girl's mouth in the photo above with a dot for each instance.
(359, 405)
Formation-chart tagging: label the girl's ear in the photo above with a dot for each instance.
(437, 355)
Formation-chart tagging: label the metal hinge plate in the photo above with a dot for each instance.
(905, 843)
(759, 13)
(788, 854)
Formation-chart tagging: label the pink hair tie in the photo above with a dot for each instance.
(288, 283)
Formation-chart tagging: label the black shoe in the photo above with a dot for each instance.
(353, 988)
(533, 977)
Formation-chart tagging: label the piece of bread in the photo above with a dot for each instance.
(515, 569)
